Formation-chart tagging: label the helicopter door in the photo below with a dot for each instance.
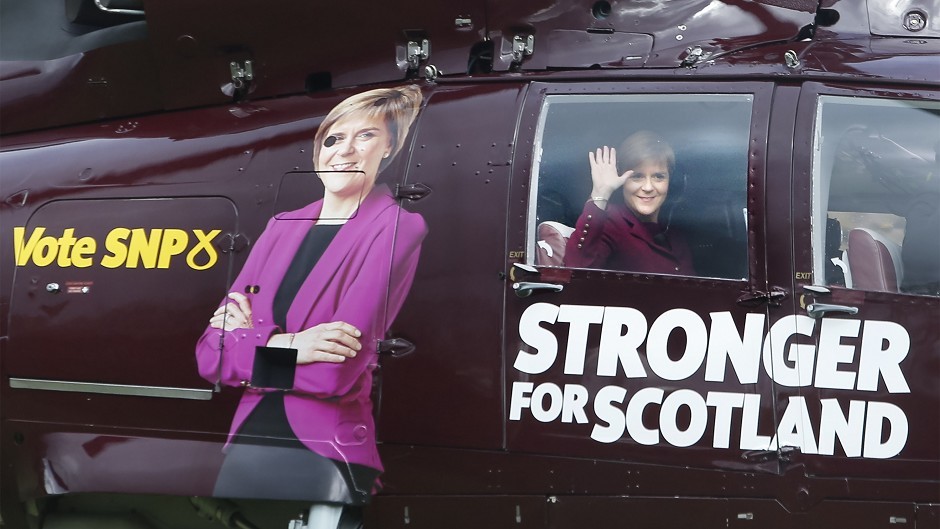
(449, 392)
(632, 359)
(123, 282)
(868, 270)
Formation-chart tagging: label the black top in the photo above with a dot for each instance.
(268, 420)
(311, 250)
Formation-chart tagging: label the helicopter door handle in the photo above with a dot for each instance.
(396, 347)
(525, 289)
(817, 310)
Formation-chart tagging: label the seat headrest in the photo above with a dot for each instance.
(875, 261)
(551, 241)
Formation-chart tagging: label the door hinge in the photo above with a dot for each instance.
(396, 347)
(522, 46)
(753, 298)
(232, 242)
(242, 76)
(413, 192)
(783, 454)
(694, 55)
(417, 51)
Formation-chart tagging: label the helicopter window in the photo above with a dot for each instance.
(876, 196)
(681, 212)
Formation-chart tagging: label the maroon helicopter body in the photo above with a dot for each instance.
(791, 381)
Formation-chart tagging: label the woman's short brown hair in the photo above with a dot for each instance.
(397, 106)
(645, 146)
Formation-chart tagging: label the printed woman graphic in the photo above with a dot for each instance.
(300, 327)
(625, 232)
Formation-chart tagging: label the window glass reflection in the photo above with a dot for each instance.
(876, 195)
(643, 183)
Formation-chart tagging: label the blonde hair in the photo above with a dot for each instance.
(398, 107)
(645, 146)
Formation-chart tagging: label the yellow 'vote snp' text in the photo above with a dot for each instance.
(124, 247)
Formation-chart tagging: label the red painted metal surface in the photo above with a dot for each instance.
(143, 136)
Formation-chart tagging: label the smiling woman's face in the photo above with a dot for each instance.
(351, 153)
(646, 189)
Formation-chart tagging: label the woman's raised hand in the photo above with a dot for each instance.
(235, 314)
(328, 342)
(604, 176)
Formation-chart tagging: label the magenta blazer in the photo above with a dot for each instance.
(614, 239)
(362, 279)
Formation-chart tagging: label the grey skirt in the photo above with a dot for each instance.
(266, 460)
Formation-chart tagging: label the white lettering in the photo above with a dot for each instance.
(832, 352)
(879, 414)
(724, 404)
(795, 429)
(580, 318)
(616, 346)
(834, 423)
(550, 413)
(725, 343)
(801, 355)
(638, 431)
(884, 345)
(519, 399)
(572, 407)
(669, 413)
(540, 339)
(846, 355)
(568, 403)
(612, 415)
(657, 342)
(750, 440)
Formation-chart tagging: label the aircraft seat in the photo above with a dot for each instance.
(835, 265)
(874, 261)
(550, 244)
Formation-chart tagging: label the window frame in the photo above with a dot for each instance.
(820, 183)
(756, 95)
